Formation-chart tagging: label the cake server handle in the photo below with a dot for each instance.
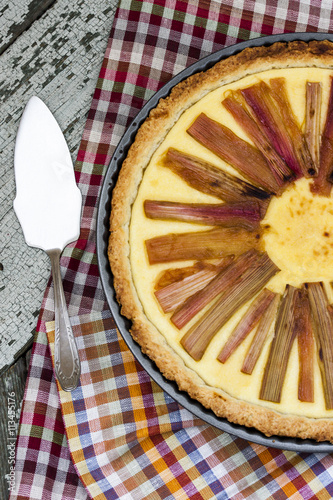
(66, 356)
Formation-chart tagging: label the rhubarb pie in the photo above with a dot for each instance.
(221, 241)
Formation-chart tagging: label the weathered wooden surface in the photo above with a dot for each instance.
(53, 49)
(58, 58)
(17, 17)
(12, 384)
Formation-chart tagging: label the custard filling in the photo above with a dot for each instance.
(297, 234)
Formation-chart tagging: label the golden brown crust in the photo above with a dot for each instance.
(149, 136)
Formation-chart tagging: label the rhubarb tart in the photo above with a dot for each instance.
(221, 238)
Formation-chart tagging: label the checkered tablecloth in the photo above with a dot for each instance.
(118, 435)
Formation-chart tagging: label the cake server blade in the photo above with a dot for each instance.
(48, 206)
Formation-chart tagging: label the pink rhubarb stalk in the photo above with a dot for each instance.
(175, 294)
(312, 121)
(201, 245)
(171, 275)
(284, 336)
(198, 337)
(260, 336)
(300, 146)
(250, 319)
(268, 117)
(246, 214)
(226, 278)
(323, 328)
(322, 183)
(211, 180)
(306, 347)
(237, 106)
(241, 155)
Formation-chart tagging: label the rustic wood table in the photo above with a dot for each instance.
(52, 49)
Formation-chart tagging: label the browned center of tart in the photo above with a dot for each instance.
(298, 233)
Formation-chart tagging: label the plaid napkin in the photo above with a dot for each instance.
(118, 435)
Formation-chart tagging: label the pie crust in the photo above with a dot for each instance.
(251, 61)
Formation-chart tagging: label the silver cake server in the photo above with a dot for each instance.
(48, 206)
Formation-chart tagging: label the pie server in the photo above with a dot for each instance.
(48, 206)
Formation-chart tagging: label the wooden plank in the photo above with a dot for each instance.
(12, 385)
(58, 58)
(18, 17)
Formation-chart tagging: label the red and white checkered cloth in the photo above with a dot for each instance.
(118, 435)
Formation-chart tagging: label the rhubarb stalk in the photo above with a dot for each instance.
(306, 347)
(268, 117)
(284, 335)
(322, 183)
(250, 319)
(201, 245)
(299, 143)
(198, 337)
(211, 180)
(260, 336)
(169, 276)
(236, 105)
(221, 283)
(246, 214)
(241, 155)
(322, 329)
(175, 294)
(312, 120)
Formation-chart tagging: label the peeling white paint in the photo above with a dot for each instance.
(58, 59)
